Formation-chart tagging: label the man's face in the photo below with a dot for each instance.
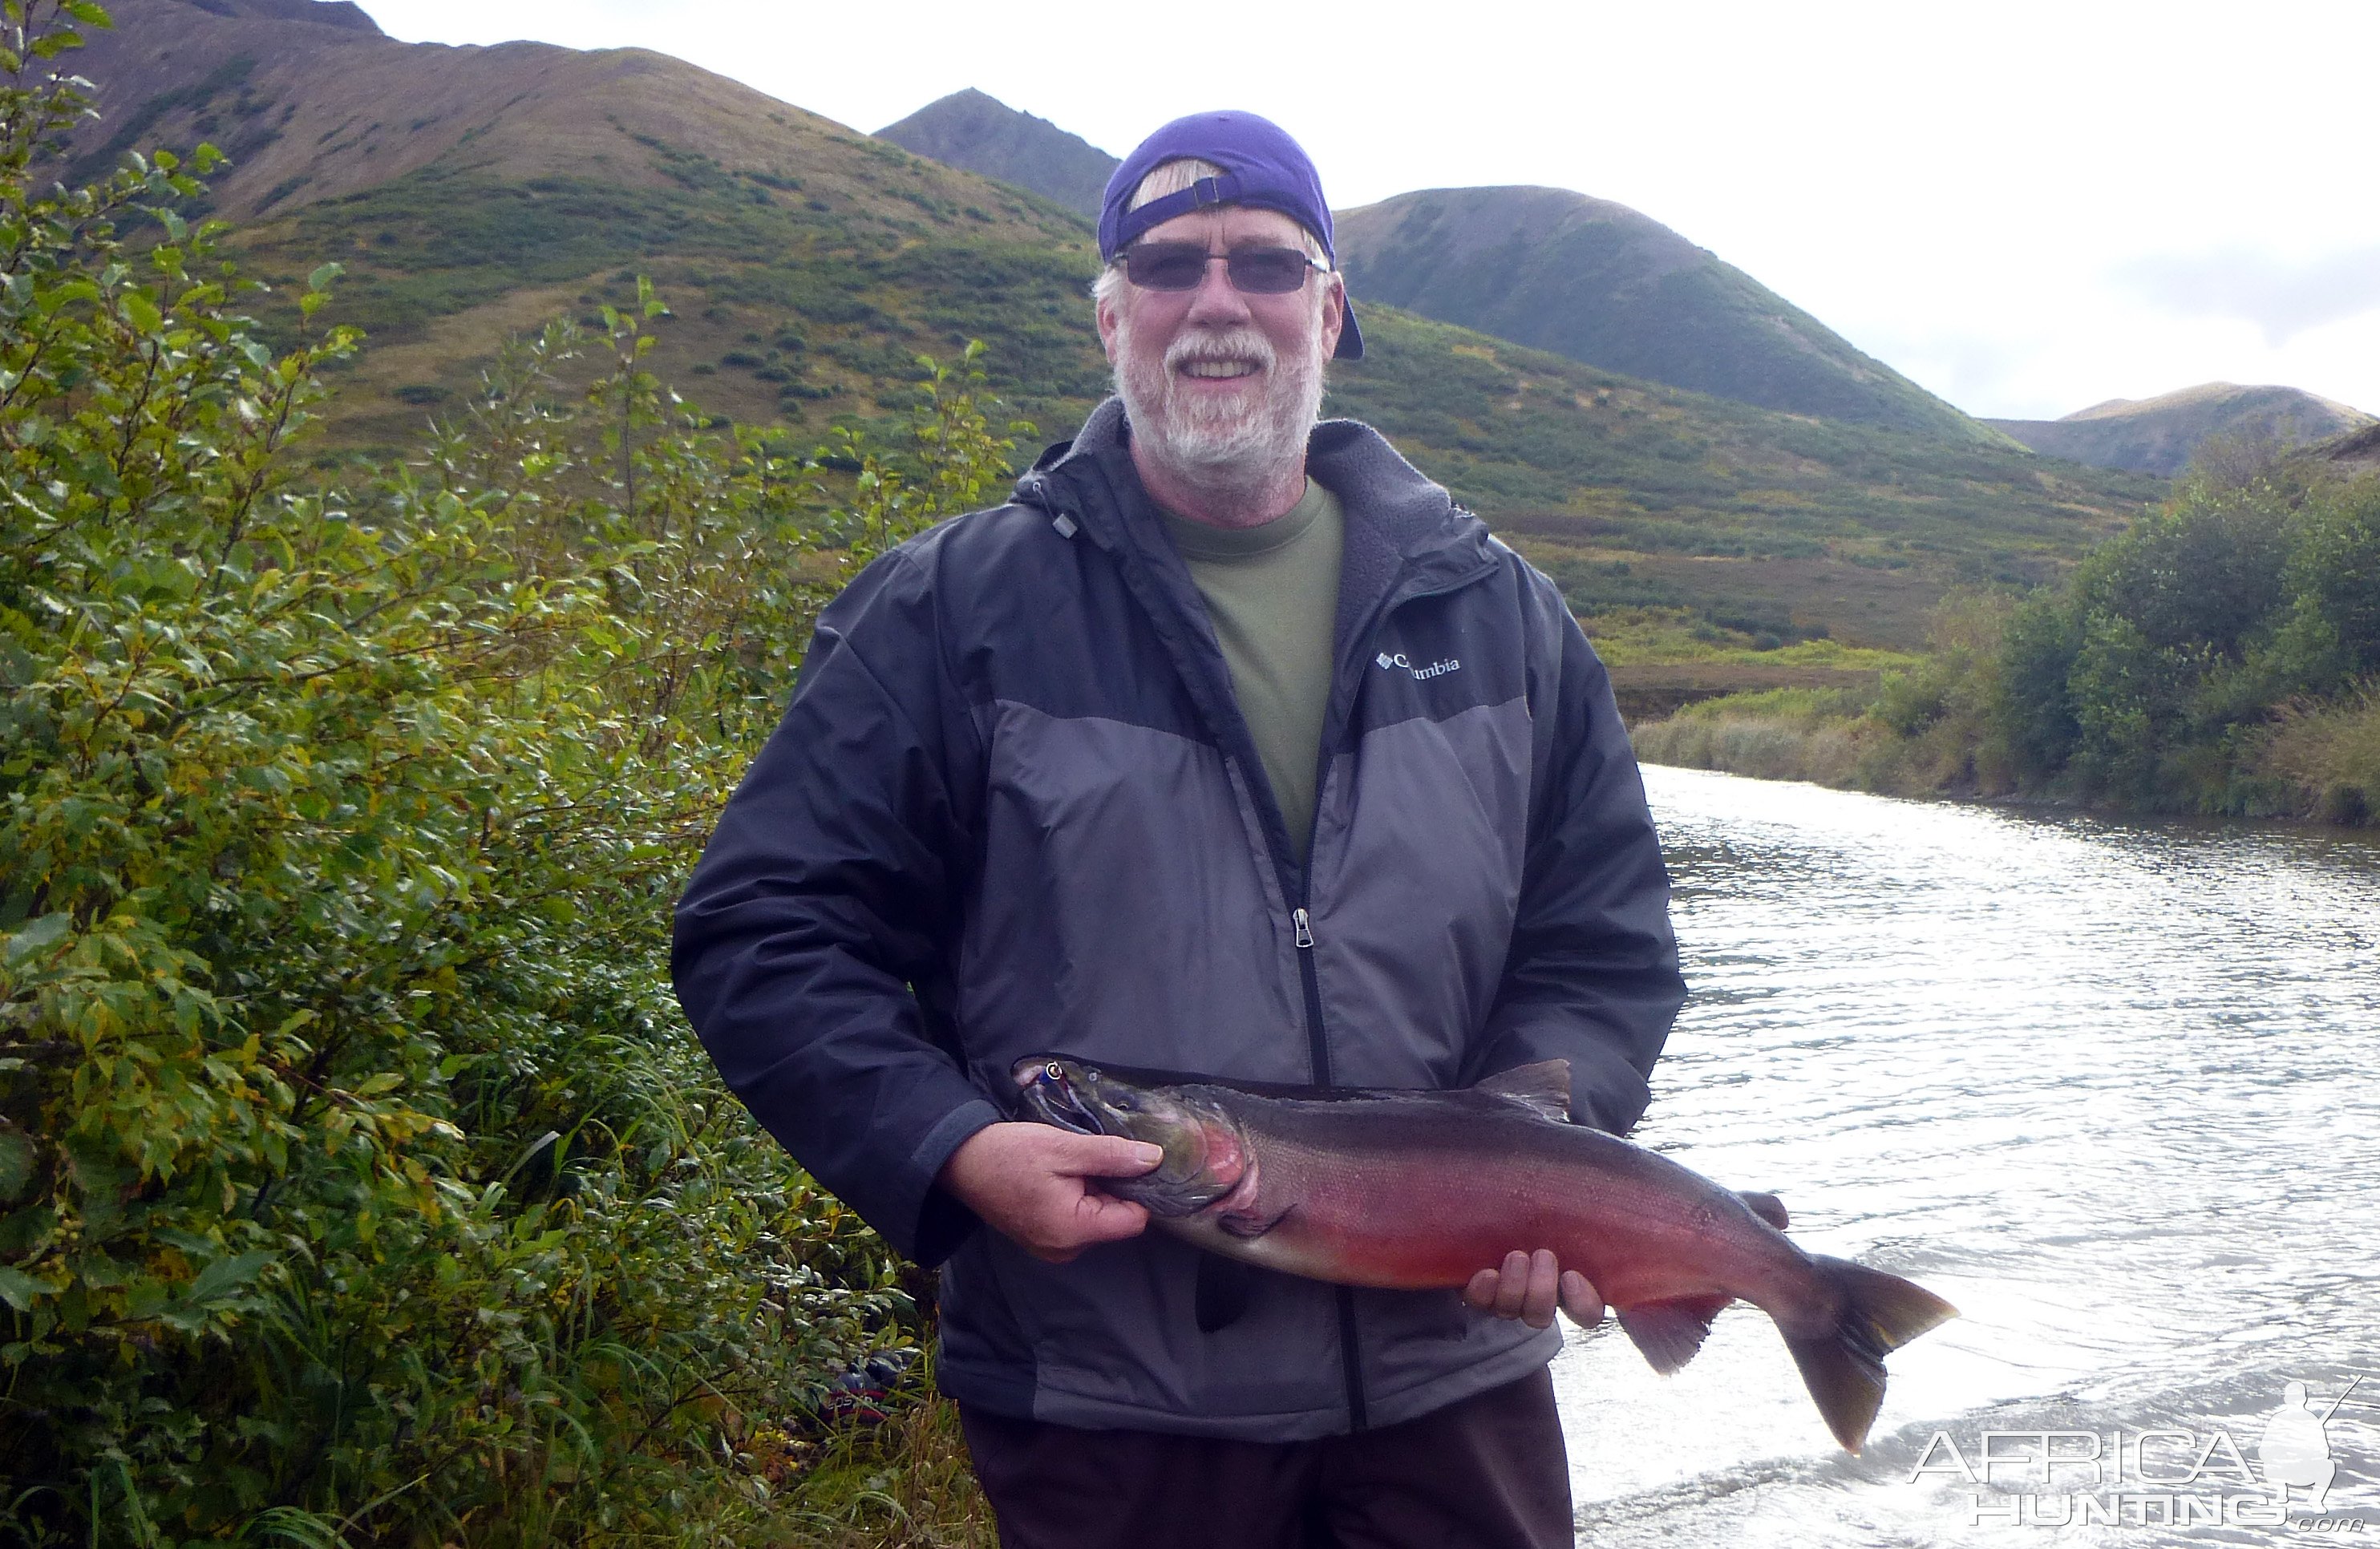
(1223, 385)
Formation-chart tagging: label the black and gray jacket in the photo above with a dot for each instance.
(1013, 809)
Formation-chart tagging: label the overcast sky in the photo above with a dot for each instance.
(2029, 208)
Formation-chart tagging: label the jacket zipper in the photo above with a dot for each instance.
(1301, 920)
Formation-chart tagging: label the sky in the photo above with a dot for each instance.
(2028, 207)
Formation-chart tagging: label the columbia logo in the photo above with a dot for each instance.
(1434, 670)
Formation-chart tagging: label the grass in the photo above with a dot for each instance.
(2317, 762)
(2331, 753)
(902, 1484)
(1785, 733)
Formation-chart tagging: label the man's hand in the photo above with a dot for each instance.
(1030, 1182)
(1528, 1286)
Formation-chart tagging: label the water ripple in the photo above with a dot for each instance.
(2107, 1085)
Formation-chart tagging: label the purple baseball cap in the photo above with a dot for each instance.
(1262, 167)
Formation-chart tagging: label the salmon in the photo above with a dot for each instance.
(1418, 1191)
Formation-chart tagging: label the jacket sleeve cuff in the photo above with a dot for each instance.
(942, 1222)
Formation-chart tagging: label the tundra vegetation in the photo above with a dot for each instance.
(2220, 656)
(359, 1181)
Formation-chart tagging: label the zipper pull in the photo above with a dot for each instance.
(1305, 923)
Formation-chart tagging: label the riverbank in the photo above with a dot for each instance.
(2316, 763)
(2220, 658)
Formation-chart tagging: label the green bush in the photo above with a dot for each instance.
(359, 1181)
(2154, 679)
(2218, 656)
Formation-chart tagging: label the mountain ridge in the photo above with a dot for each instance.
(808, 266)
(2160, 435)
(1588, 278)
(976, 132)
(1612, 287)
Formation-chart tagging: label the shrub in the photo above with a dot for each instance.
(358, 1180)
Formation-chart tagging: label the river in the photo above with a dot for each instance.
(2110, 1087)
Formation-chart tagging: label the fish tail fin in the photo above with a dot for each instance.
(1844, 1368)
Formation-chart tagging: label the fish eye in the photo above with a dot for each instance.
(1052, 1071)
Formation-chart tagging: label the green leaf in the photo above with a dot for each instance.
(142, 312)
(16, 1164)
(38, 935)
(323, 274)
(225, 1277)
(19, 1289)
(89, 12)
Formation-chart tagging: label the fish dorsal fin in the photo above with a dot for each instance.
(1543, 1088)
(1671, 1332)
(1768, 1206)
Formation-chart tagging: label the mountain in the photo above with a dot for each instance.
(982, 134)
(1545, 267)
(1599, 282)
(475, 193)
(2158, 435)
(472, 193)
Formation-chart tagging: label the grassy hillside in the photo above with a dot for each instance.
(2159, 435)
(1710, 543)
(1599, 282)
(982, 134)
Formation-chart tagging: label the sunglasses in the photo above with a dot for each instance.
(1183, 265)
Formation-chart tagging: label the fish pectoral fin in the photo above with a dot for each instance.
(1669, 1333)
(1543, 1088)
(1223, 1290)
(1248, 1228)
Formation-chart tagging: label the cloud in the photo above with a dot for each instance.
(2284, 299)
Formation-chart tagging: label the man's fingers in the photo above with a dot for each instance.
(1091, 1217)
(1102, 1218)
(1481, 1291)
(1580, 1300)
(1513, 1285)
(1105, 1156)
(1545, 1284)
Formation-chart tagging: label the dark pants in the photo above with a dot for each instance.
(1485, 1473)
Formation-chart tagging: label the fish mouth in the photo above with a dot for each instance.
(1047, 1087)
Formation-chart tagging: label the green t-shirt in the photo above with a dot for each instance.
(1273, 594)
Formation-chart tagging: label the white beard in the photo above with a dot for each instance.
(1220, 446)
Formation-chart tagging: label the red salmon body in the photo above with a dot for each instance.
(1423, 1190)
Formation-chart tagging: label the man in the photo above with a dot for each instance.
(1230, 745)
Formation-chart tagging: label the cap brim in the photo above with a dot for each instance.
(1351, 338)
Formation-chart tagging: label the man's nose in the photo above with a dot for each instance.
(1215, 303)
